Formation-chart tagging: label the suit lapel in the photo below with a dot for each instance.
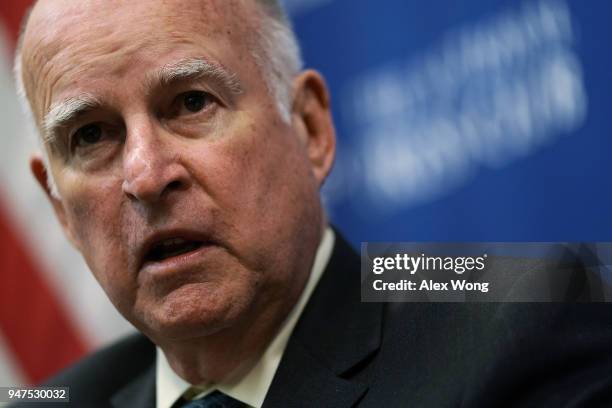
(138, 393)
(334, 339)
(305, 382)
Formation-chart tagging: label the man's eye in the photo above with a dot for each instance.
(195, 101)
(88, 135)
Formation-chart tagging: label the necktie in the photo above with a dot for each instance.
(215, 399)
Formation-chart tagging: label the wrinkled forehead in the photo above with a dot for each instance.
(63, 19)
(68, 35)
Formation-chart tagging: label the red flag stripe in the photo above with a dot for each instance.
(36, 328)
(11, 13)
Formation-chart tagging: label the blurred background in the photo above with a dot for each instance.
(471, 120)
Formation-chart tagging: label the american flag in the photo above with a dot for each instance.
(51, 309)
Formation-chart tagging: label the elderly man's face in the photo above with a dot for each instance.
(195, 205)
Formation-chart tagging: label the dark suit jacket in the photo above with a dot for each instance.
(347, 353)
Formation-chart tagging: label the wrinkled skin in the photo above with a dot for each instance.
(232, 174)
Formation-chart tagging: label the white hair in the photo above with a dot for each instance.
(276, 52)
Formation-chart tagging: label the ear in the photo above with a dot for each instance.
(39, 171)
(311, 117)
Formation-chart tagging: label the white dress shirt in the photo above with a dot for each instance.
(253, 387)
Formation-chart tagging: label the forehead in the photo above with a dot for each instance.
(66, 40)
(61, 19)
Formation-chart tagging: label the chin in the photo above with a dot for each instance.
(190, 311)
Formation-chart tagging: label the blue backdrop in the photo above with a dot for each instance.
(471, 120)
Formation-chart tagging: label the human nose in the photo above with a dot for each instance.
(152, 169)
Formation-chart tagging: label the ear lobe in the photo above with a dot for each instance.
(313, 122)
(39, 171)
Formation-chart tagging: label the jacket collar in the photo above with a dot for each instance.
(138, 393)
(333, 339)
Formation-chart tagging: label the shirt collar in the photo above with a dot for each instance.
(253, 387)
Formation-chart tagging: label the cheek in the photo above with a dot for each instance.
(255, 171)
(93, 210)
(261, 180)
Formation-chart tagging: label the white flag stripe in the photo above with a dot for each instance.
(10, 374)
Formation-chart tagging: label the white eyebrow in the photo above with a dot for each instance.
(65, 111)
(193, 68)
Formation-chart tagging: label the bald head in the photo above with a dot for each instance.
(52, 27)
(51, 24)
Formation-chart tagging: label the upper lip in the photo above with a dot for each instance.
(158, 237)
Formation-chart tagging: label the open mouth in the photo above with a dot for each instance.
(169, 248)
